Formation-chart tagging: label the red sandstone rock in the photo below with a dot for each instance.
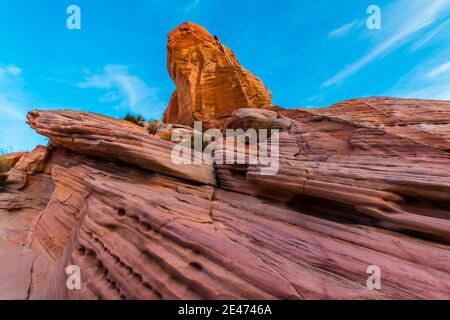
(210, 81)
(13, 157)
(364, 182)
(363, 168)
(113, 139)
(137, 234)
(28, 164)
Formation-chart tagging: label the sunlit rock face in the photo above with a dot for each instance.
(210, 81)
(362, 183)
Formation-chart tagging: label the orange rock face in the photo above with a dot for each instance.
(210, 81)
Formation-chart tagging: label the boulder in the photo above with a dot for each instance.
(210, 81)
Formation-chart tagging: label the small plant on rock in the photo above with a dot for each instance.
(152, 127)
(5, 166)
(166, 136)
(136, 119)
(204, 143)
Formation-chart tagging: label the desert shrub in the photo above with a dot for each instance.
(5, 166)
(166, 136)
(152, 127)
(204, 143)
(136, 119)
(259, 125)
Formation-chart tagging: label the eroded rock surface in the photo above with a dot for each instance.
(112, 139)
(337, 164)
(309, 232)
(210, 81)
(27, 192)
(362, 183)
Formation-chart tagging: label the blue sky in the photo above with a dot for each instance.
(310, 53)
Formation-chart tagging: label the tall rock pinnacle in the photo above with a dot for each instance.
(210, 81)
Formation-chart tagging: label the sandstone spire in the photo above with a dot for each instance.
(210, 81)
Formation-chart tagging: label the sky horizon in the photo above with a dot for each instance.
(308, 53)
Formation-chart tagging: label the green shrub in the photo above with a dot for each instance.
(166, 136)
(136, 119)
(152, 127)
(5, 166)
(204, 143)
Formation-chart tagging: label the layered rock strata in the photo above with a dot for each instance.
(362, 183)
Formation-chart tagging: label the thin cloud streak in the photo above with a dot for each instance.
(11, 94)
(14, 104)
(443, 68)
(125, 89)
(431, 35)
(192, 5)
(343, 30)
(418, 16)
(429, 80)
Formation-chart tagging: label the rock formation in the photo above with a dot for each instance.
(361, 183)
(210, 81)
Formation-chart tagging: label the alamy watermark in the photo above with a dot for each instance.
(374, 20)
(259, 148)
(374, 281)
(73, 22)
(73, 273)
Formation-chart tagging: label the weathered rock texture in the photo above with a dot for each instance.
(138, 231)
(210, 81)
(362, 183)
(111, 139)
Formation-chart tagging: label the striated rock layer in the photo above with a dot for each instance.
(347, 196)
(210, 81)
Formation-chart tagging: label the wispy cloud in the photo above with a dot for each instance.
(429, 80)
(436, 90)
(440, 29)
(127, 90)
(436, 72)
(58, 80)
(9, 109)
(342, 30)
(191, 5)
(15, 101)
(404, 20)
(435, 84)
(11, 94)
(11, 70)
